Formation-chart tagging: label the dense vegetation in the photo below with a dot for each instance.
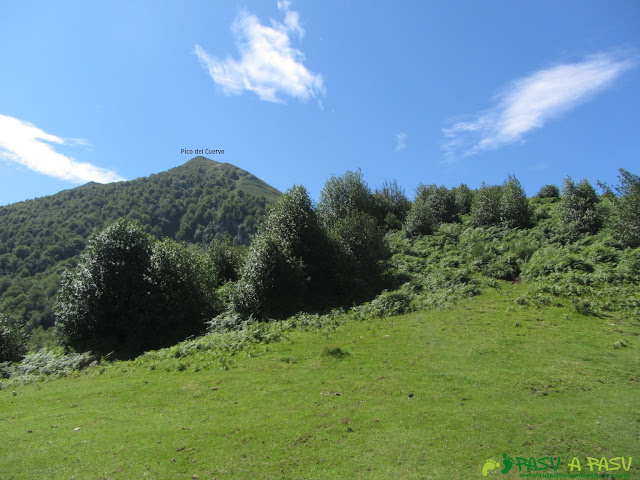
(131, 292)
(373, 251)
(41, 238)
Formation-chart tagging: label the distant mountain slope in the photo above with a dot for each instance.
(193, 202)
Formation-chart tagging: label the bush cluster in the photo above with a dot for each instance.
(131, 293)
(505, 205)
(303, 257)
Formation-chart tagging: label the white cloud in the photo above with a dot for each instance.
(529, 102)
(401, 141)
(268, 66)
(26, 144)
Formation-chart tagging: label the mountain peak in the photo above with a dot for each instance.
(201, 161)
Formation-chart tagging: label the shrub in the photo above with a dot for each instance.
(583, 306)
(502, 267)
(289, 258)
(393, 204)
(548, 191)
(228, 321)
(53, 363)
(626, 219)
(463, 198)
(344, 195)
(628, 267)
(130, 293)
(514, 206)
(360, 248)
(578, 208)
(386, 304)
(420, 219)
(485, 209)
(272, 281)
(553, 259)
(225, 260)
(183, 293)
(12, 340)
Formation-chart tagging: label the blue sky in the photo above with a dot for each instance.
(423, 91)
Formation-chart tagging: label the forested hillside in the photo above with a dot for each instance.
(374, 252)
(194, 202)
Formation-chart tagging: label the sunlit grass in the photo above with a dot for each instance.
(426, 395)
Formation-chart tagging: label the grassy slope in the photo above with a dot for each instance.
(426, 395)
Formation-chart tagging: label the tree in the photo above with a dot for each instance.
(351, 217)
(225, 260)
(442, 202)
(360, 250)
(12, 340)
(464, 199)
(505, 205)
(183, 291)
(420, 219)
(579, 208)
(288, 260)
(393, 204)
(431, 207)
(626, 216)
(344, 195)
(104, 304)
(130, 293)
(514, 206)
(485, 209)
(272, 283)
(548, 191)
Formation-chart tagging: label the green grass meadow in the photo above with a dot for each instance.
(428, 395)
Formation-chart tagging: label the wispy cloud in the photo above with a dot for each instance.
(268, 66)
(401, 141)
(529, 102)
(26, 144)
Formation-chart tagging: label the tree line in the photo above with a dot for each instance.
(131, 291)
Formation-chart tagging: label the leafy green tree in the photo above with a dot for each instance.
(272, 283)
(442, 202)
(485, 210)
(626, 215)
(12, 340)
(514, 206)
(548, 191)
(353, 221)
(505, 205)
(431, 207)
(130, 293)
(343, 195)
(288, 259)
(463, 198)
(393, 204)
(106, 303)
(225, 259)
(579, 208)
(420, 219)
(361, 249)
(183, 288)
